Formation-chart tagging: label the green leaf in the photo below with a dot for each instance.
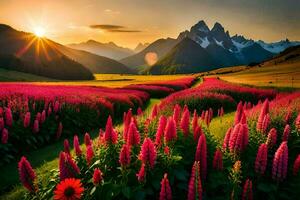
(126, 192)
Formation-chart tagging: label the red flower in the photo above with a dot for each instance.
(170, 131)
(239, 138)
(287, 117)
(56, 107)
(218, 160)
(165, 190)
(247, 191)
(89, 154)
(272, 138)
(76, 145)
(243, 118)
(148, 152)
(67, 146)
(201, 155)
(297, 122)
(4, 136)
(197, 132)
(141, 174)
(266, 123)
(227, 138)
(280, 162)
(160, 130)
(110, 136)
(195, 186)
(8, 117)
(49, 111)
(97, 176)
(133, 136)
(87, 140)
(238, 113)
(125, 155)
(1, 123)
(36, 128)
(67, 167)
(27, 175)
(176, 113)
(221, 111)
(154, 112)
(43, 117)
(39, 117)
(286, 133)
(261, 159)
(167, 150)
(59, 130)
(296, 166)
(26, 122)
(126, 121)
(263, 112)
(68, 189)
(139, 111)
(195, 120)
(185, 122)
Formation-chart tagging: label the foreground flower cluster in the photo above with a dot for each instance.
(172, 155)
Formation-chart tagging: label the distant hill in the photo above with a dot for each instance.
(290, 55)
(140, 47)
(25, 52)
(110, 50)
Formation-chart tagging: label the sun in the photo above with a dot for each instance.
(39, 31)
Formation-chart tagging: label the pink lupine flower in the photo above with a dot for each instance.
(154, 112)
(43, 117)
(297, 122)
(27, 175)
(133, 136)
(56, 107)
(201, 155)
(67, 167)
(195, 186)
(87, 140)
(148, 152)
(49, 111)
(101, 137)
(97, 176)
(238, 113)
(142, 173)
(206, 118)
(26, 122)
(8, 117)
(4, 136)
(202, 115)
(59, 130)
(286, 133)
(218, 160)
(76, 145)
(139, 111)
(110, 136)
(280, 162)
(247, 191)
(287, 117)
(227, 138)
(165, 189)
(221, 111)
(126, 121)
(124, 159)
(89, 154)
(243, 118)
(264, 110)
(234, 135)
(39, 117)
(67, 146)
(195, 120)
(1, 123)
(36, 127)
(198, 131)
(266, 123)
(160, 130)
(261, 159)
(272, 138)
(167, 150)
(185, 122)
(1, 112)
(170, 131)
(296, 166)
(176, 113)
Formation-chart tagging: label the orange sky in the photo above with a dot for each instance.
(68, 21)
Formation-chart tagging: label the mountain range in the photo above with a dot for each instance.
(223, 50)
(21, 51)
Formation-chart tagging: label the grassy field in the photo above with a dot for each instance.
(283, 75)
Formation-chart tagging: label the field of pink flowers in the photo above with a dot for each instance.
(171, 154)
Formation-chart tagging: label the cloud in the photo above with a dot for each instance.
(114, 28)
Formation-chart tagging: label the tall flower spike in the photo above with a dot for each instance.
(126, 122)
(261, 159)
(296, 166)
(195, 186)
(36, 128)
(76, 145)
(67, 146)
(264, 110)
(286, 133)
(280, 162)
(59, 130)
(247, 191)
(165, 189)
(27, 175)
(97, 176)
(272, 138)
(89, 154)
(1, 123)
(26, 122)
(234, 136)
(197, 132)
(176, 113)
(160, 130)
(148, 152)
(154, 112)
(56, 107)
(133, 136)
(185, 122)
(43, 117)
(195, 120)
(141, 174)
(124, 159)
(87, 140)
(266, 123)
(4, 136)
(238, 113)
(218, 160)
(170, 131)
(201, 155)
(67, 167)
(297, 122)
(110, 136)
(139, 111)
(227, 138)
(8, 117)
